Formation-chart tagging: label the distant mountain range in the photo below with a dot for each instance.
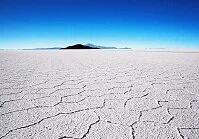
(78, 46)
(100, 47)
(53, 48)
(88, 46)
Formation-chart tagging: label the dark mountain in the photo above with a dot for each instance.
(79, 46)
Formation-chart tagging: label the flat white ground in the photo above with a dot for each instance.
(98, 94)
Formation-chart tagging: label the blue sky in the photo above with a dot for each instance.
(118, 23)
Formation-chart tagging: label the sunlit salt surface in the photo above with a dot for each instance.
(96, 94)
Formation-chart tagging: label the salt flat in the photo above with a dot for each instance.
(99, 94)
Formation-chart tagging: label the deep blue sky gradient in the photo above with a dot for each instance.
(118, 23)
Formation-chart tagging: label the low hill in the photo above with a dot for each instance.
(79, 46)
